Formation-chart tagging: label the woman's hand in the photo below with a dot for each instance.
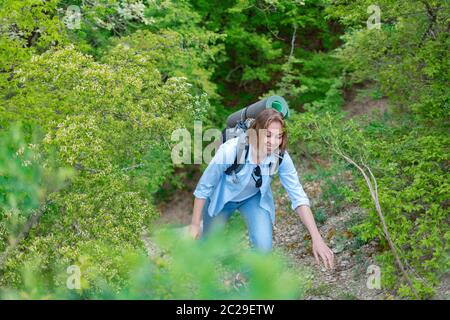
(194, 227)
(194, 230)
(320, 249)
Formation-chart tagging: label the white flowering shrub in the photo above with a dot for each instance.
(111, 122)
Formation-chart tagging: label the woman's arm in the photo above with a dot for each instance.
(320, 249)
(300, 203)
(194, 228)
(291, 183)
(207, 183)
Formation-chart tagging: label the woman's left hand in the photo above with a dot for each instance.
(320, 249)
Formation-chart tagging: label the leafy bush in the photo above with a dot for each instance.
(407, 56)
(106, 120)
(181, 269)
(270, 46)
(27, 177)
(410, 162)
(313, 81)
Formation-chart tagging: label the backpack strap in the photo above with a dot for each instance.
(280, 159)
(240, 128)
(241, 155)
(273, 169)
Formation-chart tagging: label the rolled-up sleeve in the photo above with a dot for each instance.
(291, 183)
(212, 174)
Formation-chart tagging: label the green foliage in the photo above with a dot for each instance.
(182, 269)
(20, 173)
(198, 49)
(27, 177)
(99, 22)
(26, 27)
(107, 120)
(269, 275)
(259, 56)
(30, 23)
(313, 81)
(90, 226)
(415, 188)
(110, 119)
(410, 163)
(106, 97)
(335, 192)
(186, 59)
(320, 216)
(407, 57)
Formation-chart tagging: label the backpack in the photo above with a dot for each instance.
(240, 131)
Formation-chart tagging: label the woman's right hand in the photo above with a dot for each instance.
(194, 230)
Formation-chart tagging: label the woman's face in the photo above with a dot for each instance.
(272, 137)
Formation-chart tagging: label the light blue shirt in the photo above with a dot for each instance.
(220, 188)
(250, 188)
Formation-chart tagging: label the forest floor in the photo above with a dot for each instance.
(348, 280)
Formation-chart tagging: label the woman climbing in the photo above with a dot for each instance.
(219, 193)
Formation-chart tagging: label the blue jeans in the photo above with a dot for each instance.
(258, 221)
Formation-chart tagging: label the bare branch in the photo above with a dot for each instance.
(374, 194)
(292, 42)
(373, 189)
